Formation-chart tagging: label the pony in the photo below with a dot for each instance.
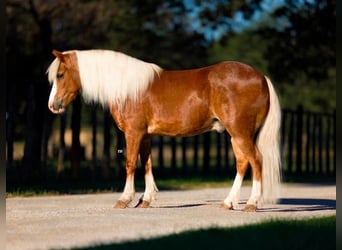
(145, 99)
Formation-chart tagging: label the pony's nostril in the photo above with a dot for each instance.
(57, 105)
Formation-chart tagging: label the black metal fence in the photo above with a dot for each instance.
(308, 147)
(309, 142)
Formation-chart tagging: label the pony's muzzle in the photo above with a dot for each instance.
(56, 107)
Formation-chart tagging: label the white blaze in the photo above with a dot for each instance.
(52, 95)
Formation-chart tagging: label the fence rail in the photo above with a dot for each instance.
(308, 142)
(308, 148)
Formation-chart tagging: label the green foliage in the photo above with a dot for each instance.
(295, 45)
(246, 47)
(302, 41)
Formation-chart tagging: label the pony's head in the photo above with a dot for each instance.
(64, 76)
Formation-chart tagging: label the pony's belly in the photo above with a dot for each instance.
(190, 130)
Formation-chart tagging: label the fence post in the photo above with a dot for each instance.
(334, 141)
(94, 131)
(290, 142)
(218, 153)
(308, 143)
(173, 155)
(320, 145)
(161, 153)
(184, 163)
(314, 141)
(206, 152)
(75, 152)
(299, 141)
(195, 161)
(106, 144)
(226, 152)
(61, 150)
(327, 146)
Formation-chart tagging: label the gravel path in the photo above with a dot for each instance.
(86, 220)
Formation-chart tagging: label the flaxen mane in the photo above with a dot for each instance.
(109, 76)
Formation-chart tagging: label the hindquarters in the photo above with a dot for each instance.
(239, 98)
(245, 103)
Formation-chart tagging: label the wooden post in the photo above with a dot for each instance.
(327, 145)
(106, 144)
(290, 143)
(299, 139)
(173, 155)
(320, 145)
(161, 153)
(61, 150)
(226, 152)
(206, 152)
(218, 153)
(308, 144)
(313, 147)
(93, 142)
(195, 160)
(334, 143)
(184, 163)
(75, 153)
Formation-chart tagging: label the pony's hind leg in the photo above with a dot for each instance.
(251, 153)
(150, 186)
(241, 166)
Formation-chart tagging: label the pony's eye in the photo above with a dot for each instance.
(60, 76)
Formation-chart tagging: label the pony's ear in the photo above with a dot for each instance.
(58, 54)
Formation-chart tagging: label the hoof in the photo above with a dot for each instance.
(250, 208)
(226, 207)
(121, 204)
(143, 204)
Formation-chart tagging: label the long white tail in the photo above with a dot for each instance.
(268, 143)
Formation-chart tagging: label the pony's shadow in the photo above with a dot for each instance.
(182, 206)
(302, 204)
(297, 205)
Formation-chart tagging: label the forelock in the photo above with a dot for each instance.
(52, 70)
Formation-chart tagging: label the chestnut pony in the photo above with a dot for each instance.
(145, 99)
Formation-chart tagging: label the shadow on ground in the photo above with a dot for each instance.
(313, 234)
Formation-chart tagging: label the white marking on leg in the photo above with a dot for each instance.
(150, 187)
(129, 191)
(233, 197)
(255, 194)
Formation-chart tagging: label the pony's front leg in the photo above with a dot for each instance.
(150, 186)
(132, 145)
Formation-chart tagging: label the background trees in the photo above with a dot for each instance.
(292, 41)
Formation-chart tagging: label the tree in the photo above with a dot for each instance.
(142, 29)
(302, 53)
(296, 45)
(302, 40)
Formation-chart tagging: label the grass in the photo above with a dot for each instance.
(313, 234)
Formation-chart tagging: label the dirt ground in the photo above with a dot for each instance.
(87, 220)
